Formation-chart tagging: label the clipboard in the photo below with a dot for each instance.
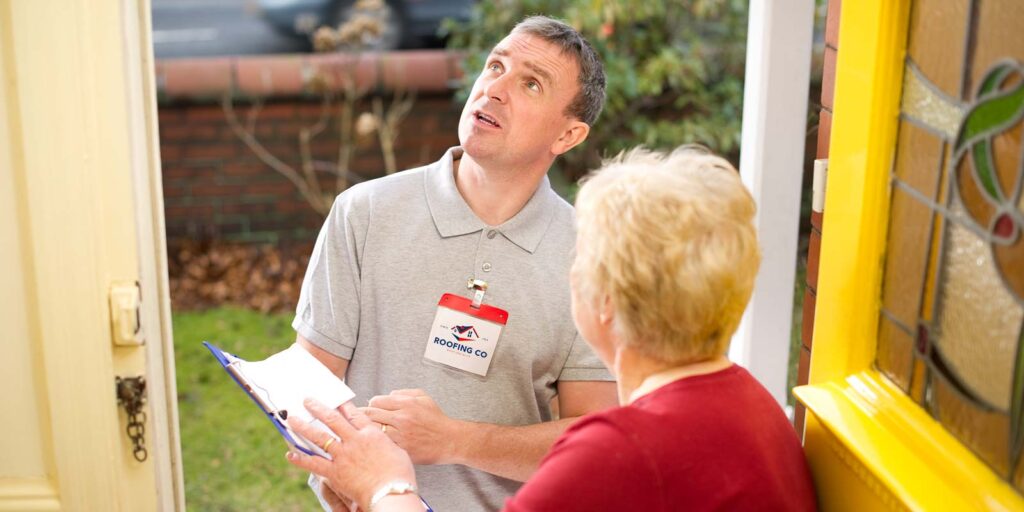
(264, 388)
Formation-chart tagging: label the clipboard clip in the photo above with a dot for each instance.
(480, 288)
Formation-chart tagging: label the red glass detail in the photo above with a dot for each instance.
(1004, 226)
(922, 339)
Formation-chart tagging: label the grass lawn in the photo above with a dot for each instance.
(234, 459)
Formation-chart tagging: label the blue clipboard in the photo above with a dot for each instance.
(226, 361)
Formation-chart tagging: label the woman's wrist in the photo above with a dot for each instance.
(407, 502)
(389, 490)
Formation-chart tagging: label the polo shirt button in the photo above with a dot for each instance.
(491, 234)
(486, 266)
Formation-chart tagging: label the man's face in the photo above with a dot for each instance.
(516, 110)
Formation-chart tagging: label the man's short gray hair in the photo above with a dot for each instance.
(589, 101)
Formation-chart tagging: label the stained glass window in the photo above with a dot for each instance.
(951, 325)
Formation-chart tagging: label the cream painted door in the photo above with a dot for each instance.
(81, 214)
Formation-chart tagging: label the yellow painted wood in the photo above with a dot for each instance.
(28, 495)
(76, 132)
(869, 446)
(22, 445)
(864, 123)
(885, 439)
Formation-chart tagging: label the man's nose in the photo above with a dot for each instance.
(497, 89)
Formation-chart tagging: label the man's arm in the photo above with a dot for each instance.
(337, 365)
(418, 425)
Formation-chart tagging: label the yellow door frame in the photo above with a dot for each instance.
(869, 445)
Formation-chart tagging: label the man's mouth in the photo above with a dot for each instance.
(486, 119)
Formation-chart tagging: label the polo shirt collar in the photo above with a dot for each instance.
(453, 217)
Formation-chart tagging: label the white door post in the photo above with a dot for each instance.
(779, 42)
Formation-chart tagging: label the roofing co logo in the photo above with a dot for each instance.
(465, 333)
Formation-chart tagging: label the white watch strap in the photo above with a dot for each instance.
(393, 487)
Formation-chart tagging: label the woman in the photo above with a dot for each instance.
(666, 260)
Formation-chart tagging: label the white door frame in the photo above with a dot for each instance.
(149, 217)
(779, 39)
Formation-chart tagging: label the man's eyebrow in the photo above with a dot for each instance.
(541, 72)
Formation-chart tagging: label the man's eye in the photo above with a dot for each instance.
(494, 67)
(533, 85)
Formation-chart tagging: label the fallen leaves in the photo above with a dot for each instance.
(205, 274)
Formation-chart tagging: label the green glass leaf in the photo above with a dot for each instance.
(986, 119)
(994, 78)
(989, 116)
(980, 155)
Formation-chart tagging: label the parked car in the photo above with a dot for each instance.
(411, 23)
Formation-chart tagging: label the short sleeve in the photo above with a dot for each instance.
(595, 465)
(582, 364)
(327, 313)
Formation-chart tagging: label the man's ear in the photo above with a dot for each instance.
(573, 135)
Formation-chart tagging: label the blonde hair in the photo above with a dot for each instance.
(669, 240)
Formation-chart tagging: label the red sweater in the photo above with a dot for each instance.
(710, 442)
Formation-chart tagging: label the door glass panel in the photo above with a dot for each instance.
(952, 315)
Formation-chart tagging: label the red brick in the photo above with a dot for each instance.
(807, 323)
(313, 110)
(799, 417)
(170, 151)
(281, 110)
(182, 172)
(169, 114)
(245, 168)
(187, 211)
(832, 23)
(216, 190)
(196, 77)
(174, 131)
(327, 148)
(175, 190)
(244, 208)
(813, 252)
(270, 75)
(418, 70)
(280, 187)
(211, 151)
(294, 207)
(804, 367)
(828, 78)
(335, 66)
(824, 133)
(204, 113)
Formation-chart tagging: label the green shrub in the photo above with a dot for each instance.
(675, 69)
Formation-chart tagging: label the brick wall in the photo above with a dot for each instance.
(217, 188)
(828, 80)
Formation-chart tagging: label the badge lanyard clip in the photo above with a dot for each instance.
(480, 288)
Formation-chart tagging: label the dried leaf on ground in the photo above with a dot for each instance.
(205, 274)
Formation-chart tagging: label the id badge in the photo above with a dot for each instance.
(464, 337)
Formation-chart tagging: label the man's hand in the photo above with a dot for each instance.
(417, 424)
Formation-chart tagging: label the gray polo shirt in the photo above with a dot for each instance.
(389, 249)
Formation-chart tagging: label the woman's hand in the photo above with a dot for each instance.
(364, 458)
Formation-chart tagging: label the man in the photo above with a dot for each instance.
(391, 247)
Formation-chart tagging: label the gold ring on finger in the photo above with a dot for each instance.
(384, 428)
(328, 444)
